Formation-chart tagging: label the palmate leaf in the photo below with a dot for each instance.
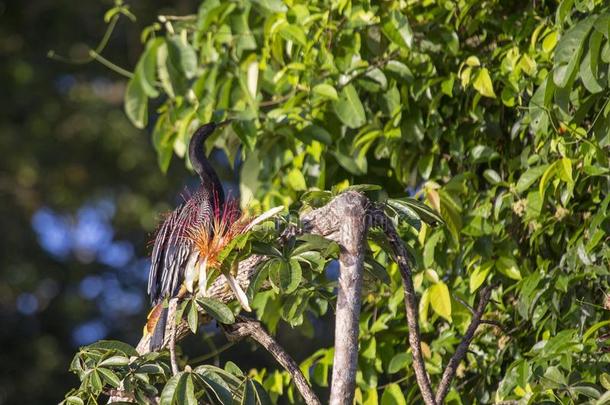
(408, 206)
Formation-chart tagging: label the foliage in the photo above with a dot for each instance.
(495, 114)
(112, 365)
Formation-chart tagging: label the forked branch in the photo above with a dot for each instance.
(460, 352)
(401, 256)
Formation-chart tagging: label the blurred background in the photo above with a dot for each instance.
(80, 193)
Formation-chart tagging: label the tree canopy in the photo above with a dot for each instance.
(493, 114)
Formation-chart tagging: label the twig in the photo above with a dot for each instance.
(462, 348)
(214, 354)
(248, 328)
(98, 49)
(401, 255)
(497, 324)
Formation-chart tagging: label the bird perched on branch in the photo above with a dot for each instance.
(189, 239)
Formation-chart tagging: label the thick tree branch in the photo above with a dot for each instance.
(462, 348)
(247, 328)
(401, 255)
(349, 221)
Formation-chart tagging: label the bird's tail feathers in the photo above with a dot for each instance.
(155, 326)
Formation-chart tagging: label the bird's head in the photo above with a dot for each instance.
(202, 133)
(199, 161)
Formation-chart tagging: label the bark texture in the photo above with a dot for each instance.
(248, 328)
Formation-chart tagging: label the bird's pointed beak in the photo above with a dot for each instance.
(223, 123)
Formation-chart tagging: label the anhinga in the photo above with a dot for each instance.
(190, 236)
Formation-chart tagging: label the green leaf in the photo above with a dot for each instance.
(114, 361)
(348, 163)
(392, 395)
(553, 374)
(529, 177)
(315, 132)
(549, 42)
(349, 109)
(217, 310)
(311, 242)
(479, 275)
(114, 345)
(424, 212)
(249, 394)
(565, 170)
(293, 33)
(569, 51)
(508, 266)
(326, 91)
(95, 381)
(109, 376)
(586, 390)
(275, 6)
(183, 55)
(74, 400)
(147, 67)
(604, 399)
(296, 180)
(482, 83)
(192, 317)
(429, 248)
(399, 362)
(247, 132)
(185, 390)
(424, 305)
(396, 27)
(136, 102)
(590, 63)
(549, 173)
(440, 299)
(220, 391)
(594, 329)
(492, 176)
(377, 270)
(290, 276)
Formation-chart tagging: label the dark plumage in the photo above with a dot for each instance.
(173, 249)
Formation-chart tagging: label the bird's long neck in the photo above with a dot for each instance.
(209, 178)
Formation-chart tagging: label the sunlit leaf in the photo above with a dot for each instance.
(440, 299)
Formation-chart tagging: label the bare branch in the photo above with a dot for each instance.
(245, 328)
(401, 255)
(349, 220)
(173, 305)
(462, 348)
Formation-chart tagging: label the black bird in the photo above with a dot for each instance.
(185, 238)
